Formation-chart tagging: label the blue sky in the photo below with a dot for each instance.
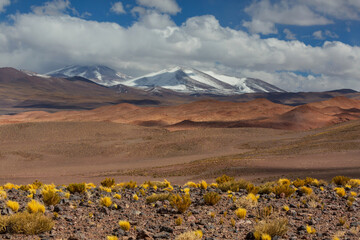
(302, 45)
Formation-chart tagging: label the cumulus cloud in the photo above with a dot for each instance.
(286, 12)
(322, 34)
(44, 42)
(3, 4)
(118, 8)
(164, 6)
(265, 13)
(56, 7)
(289, 35)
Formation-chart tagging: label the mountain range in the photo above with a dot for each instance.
(178, 79)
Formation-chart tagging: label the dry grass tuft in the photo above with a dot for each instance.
(180, 202)
(193, 235)
(211, 198)
(272, 227)
(108, 182)
(26, 223)
(76, 187)
(158, 197)
(340, 180)
(50, 197)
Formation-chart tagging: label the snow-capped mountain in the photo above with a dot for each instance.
(192, 81)
(97, 73)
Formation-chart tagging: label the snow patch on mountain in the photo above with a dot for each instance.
(193, 81)
(97, 73)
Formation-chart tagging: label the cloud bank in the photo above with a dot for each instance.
(47, 39)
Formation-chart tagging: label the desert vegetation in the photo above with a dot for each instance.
(229, 208)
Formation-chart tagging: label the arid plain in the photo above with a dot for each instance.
(254, 140)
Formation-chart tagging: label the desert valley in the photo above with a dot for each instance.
(183, 120)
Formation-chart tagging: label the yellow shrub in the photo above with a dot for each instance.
(240, 213)
(265, 237)
(191, 184)
(340, 180)
(117, 196)
(158, 197)
(3, 194)
(340, 192)
(214, 185)
(28, 223)
(108, 182)
(135, 197)
(10, 186)
(35, 207)
(353, 194)
(50, 197)
(252, 197)
(193, 235)
(285, 189)
(310, 229)
(105, 189)
(112, 238)
(76, 187)
(224, 178)
(124, 225)
(105, 201)
(211, 198)
(354, 182)
(272, 227)
(181, 202)
(178, 221)
(186, 190)
(203, 184)
(286, 208)
(90, 185)
(14, 206)
(299, 182)
(284, 181)
(306, 190)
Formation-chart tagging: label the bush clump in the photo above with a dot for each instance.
(124, 225)
(224, 178)
(26, 223)
(50, 197)
(180, 202)
(105, 201)
(272, 227)
(233, 186)
(340, 180)
(283, 189)
(14, 206)
(35, 207)
(211, 198)
(158, 197)
(76, 188)
(108, 182)
(192, 235)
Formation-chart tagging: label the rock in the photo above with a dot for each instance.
(166, 229)
(250, 236)
(143, 234)
(162, 235)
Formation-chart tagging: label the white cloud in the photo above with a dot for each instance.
(265, 13)
(259, 26)
(323, 34)
(42, 43)
(3, 4)
(288, 12)
(55, 7)
(289, 35)
(318, 35)
(118, 8)
(164, 6)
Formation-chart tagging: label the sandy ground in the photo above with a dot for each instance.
(75, 152)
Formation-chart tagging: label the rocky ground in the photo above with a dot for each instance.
(322, 214)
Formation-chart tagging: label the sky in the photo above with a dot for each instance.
(298, 45)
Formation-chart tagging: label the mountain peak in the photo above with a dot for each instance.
(97, 73)
(189, 80)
